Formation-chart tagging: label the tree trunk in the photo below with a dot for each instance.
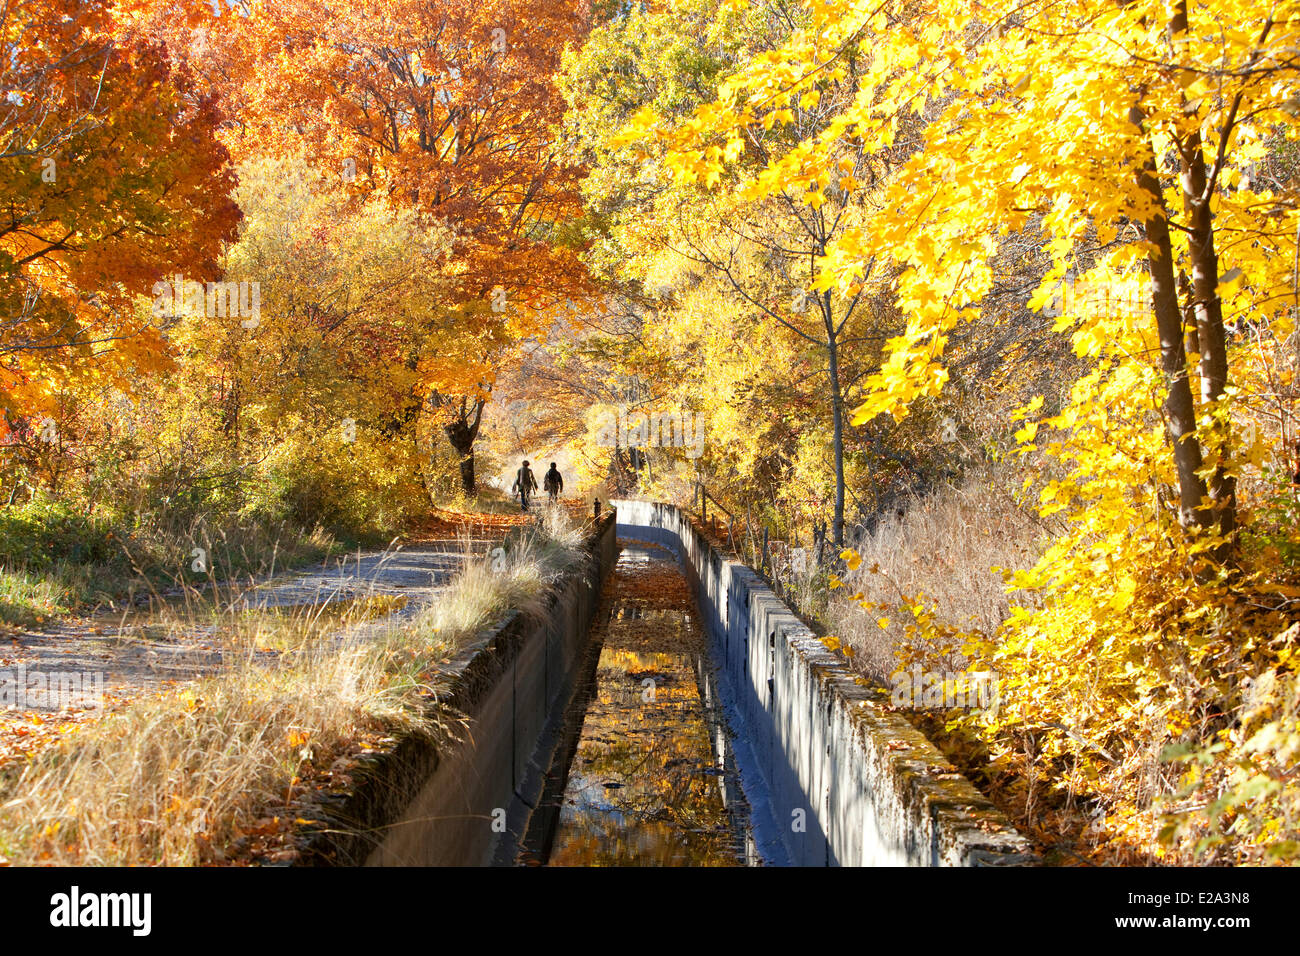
(1210, 336)
(837, 422)
(461, 432)
(462, 439)
(1208, 310)
(1180, 410)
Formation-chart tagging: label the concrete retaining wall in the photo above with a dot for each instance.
(467, 804)
(848, 783)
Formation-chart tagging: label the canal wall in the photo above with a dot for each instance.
(467, 803)
(847, 782)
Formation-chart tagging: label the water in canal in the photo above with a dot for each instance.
(646, 776)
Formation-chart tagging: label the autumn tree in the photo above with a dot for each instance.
(446, 108)
(1123, 145)
(312, 395)
(763, 247)
(112, 177)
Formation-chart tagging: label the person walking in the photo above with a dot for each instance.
(525, 485)
(553, 483)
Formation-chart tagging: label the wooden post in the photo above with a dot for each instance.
(749, 531)
(596, 508)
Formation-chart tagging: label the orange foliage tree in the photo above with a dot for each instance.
(111, 178)
(449, 109)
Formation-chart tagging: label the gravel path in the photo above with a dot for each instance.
(136, 652)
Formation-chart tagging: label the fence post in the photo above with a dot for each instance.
(749, 532)
(596, 508)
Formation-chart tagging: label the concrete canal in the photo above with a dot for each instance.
(646, 777)
(667, 710)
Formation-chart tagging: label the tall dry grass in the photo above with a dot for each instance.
(942, 546)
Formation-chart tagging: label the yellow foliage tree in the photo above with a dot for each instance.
(1133, 142)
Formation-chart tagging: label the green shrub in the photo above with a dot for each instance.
(44, 531)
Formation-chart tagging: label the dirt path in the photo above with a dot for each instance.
(81, 667)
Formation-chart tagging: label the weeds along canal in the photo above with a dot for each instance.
(645, 774)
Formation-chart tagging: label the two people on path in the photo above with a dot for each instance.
(526, 483)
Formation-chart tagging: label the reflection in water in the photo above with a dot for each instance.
(651, 781)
